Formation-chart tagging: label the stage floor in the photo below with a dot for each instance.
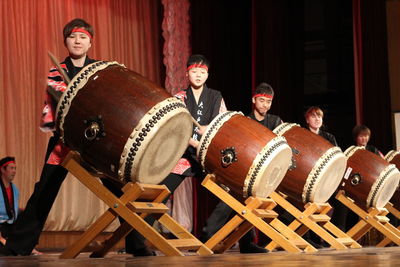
(368, 256)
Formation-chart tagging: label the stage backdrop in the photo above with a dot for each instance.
(125, 31)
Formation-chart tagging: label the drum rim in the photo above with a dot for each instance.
(74, 86)
(142, 135)
(259, 164)
(351, 150)
(319, 168)
(284, 127)
(382, 179)
(391, 154)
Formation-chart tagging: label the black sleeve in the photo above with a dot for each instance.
(217, 104)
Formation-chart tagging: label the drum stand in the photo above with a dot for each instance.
(314, 218)
(373, 218)
(137, 201)
(250, 215)
(395, 212)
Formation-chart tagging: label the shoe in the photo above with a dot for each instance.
(143, 252)
(252, 248)
(5, 251)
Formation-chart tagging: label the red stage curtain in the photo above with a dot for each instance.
(125, 31)
(358, 60)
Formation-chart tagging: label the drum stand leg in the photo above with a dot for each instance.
(137, 201)
(374, 218)
(255, 213)
(314, 218)
(395, 212)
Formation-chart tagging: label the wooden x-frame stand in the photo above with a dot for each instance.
(137, 201)
(314, 218)
(396, 213)
(256, 213)
(373, 218)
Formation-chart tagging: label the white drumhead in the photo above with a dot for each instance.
(157, 143)
(384, 187)
(325, 177)
(268, 169)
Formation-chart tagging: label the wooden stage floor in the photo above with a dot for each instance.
(368, 256)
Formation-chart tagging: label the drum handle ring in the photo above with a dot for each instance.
(355, 179)
(228, 156)
(92, 131)
(95, 128)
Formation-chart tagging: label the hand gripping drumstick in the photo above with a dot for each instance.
(196, 123)
(60, 70)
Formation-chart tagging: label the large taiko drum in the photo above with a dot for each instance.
(393, 157)
(124, 126)
(369, 179)
(317, 166)
(244, 155)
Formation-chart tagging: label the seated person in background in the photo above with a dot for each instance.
(9, 198)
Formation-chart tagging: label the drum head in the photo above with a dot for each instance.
(384, 188)
(164, 150)
(325, 177)
(272, 170)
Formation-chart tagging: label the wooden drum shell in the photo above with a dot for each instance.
(120, 99)
(393, 157)
(369, 180)
(248, 138)
(313, 160)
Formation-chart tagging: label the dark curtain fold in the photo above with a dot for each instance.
(374, 99)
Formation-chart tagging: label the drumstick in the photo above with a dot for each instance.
(196, 123)
(61, 70)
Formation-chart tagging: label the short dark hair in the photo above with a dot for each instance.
(264, 88)
(198, 59)
(5, 160)
(76, 23)
(359, 129)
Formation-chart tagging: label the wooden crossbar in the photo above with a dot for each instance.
(137, 201)
(256, 212)
(373, 218)
(314, 218)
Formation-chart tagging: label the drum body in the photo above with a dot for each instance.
(317, 166)
(124, 126)
(369, 179)
(244, 155)
(393, 157)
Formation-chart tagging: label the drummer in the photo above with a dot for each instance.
(262, 101)
(314, 117)
(204, 104)
(361, 136)
(78, 35)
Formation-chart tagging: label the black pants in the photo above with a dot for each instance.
(218, 218)
(29, 224)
